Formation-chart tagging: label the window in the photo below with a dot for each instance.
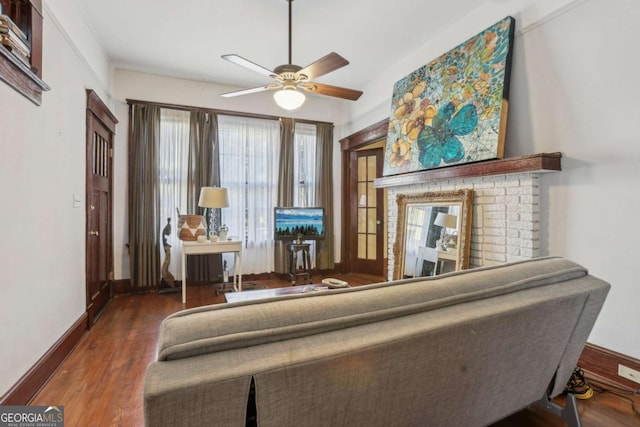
(172, 168)
(174, 150)
(249, 161)
(249, 150)
(304, 164)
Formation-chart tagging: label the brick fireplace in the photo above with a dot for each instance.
(506, 204)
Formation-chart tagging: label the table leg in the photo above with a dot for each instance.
(235, 272)
(307, 265)
(184, 278)
(239, 264)
(293, 261)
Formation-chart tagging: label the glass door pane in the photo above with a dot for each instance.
(367, 208)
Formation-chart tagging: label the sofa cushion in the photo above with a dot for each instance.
(221, 327)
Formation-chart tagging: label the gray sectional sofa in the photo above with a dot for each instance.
(463, 349)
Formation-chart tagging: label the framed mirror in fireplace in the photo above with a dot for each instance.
(433, 233)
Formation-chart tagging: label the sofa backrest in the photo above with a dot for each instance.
(226, 326)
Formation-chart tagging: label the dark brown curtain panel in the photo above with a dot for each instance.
(324, 193)
(144, 204)
(285, 184)
(285, 172)
(204, 171)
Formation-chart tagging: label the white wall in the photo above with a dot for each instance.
(43, 250)
(573, 90)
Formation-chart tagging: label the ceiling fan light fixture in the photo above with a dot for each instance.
(289, 98)
(291, 77)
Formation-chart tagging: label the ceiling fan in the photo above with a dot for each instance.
(289, 78)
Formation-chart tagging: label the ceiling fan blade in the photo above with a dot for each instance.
(248, 91)
(338, 92)
(324, 65)
(245, 63)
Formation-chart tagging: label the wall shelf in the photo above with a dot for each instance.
(539, 163)
(20, 77)
(26, 79)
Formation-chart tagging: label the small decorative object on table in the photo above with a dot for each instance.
(224, 230)
(335, 283)
(190, 227)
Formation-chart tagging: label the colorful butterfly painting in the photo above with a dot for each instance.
(453, 110)
(438, 142)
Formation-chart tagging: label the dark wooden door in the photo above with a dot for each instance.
(367, 213)
(99, 176)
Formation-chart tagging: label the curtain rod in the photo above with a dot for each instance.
(215, 111)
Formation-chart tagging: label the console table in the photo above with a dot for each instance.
(202, 248)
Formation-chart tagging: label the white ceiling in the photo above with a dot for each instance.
(186, 38)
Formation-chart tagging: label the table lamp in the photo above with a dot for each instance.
(213, 198)
(445, 221)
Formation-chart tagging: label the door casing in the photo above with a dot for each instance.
(358, 141)
(100, 135)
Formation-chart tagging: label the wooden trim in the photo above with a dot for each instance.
(24, 390)
(122, 286)
(37, 6)
(20, 77)
(366, 136)
(130, 175)
(36, 37)
(345, 244)
(101, 111)
(543, 162)
(603, 363)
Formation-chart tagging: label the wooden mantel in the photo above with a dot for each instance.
(538, 163)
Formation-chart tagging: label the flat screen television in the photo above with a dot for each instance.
(289, 223)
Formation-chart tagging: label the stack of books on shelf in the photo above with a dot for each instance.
(15, 40)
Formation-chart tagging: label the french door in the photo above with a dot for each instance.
(366, 213)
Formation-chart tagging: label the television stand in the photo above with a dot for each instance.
(293, 249)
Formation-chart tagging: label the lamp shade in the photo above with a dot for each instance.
(289, 98)
(446, 220)
(213, 197)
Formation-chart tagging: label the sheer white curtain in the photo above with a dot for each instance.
(173, 155)
(304, 164)
(249, 158)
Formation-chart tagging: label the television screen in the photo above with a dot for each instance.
(293, 222)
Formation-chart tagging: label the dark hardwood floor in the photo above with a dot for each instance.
(100, 383)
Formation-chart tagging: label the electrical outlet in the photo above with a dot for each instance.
(628, 373)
